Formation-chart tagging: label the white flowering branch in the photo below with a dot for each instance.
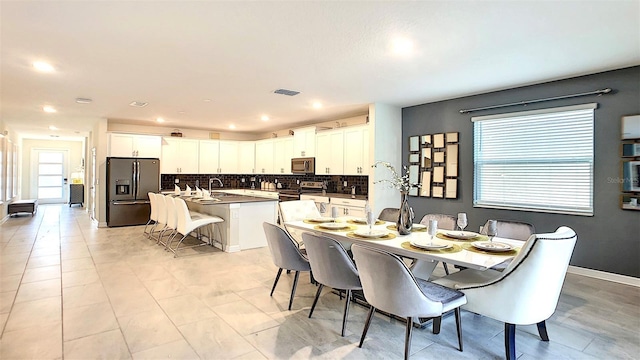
(398, 182)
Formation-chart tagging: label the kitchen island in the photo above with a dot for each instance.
(243, 217)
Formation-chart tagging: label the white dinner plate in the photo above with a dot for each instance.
(321, 219)
(432, 246)
(360, 220)
(419, 226)
(333, 226)
(371, 233)
(463, 235)
(492, 246)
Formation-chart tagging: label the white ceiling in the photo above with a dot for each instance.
(176, 54)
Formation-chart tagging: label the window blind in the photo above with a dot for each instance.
(535, 160)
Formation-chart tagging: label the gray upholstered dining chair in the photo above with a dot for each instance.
(526, 292)
(389, 214)
(285, 254)
(331, 266)
(388, 285)
(423, 269)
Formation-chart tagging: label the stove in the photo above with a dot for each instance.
(305, 187)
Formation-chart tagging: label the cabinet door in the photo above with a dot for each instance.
(121, 145)
(228, 157)
(179, 156)
(264, 157)
(304, 142)
(209, 151)
(330, 152)
(282, 152)
(147, 146)
(356, 154)
(247, 157)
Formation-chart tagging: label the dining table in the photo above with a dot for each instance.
(457, 247)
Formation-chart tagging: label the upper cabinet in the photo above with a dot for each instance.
(218, 156)
(282, 153)
(356, 150)
(329, 158)
(304, 142)
(179, 156)
(264, 156)
(129, 145)
(246, 157)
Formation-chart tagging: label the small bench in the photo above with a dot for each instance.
(19, 206)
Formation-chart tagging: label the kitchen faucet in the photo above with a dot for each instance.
(211, 181)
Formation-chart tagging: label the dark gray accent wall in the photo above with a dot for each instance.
(608, 241)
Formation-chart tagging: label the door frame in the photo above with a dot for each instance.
(35, 161)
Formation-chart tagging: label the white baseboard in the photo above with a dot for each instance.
(231, 249)
(622, 279)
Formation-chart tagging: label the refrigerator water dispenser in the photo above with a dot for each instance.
(122, 187)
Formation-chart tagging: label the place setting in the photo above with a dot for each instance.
(369, 232)
(427, 243)
(460, 235)
(490, 246)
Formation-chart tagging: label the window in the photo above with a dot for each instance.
(538, 160)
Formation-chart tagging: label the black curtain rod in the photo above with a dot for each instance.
(597, 92)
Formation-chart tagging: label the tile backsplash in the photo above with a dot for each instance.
(234, 181)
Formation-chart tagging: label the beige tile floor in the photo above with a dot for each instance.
(69, 290)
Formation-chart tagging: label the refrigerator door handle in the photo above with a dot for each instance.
(130, 202)
(137, 179)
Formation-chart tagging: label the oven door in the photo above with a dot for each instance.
(284, 196)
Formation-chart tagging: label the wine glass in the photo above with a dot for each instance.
(492, 229)
(334, 213)
(432, 230)
(462, 221)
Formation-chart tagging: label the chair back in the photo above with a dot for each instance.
(284, 250)
(517, 230)
(330, 263)
(161, 205)
(172, 214)
(182, 216)
(389, 214)
(298, 210)
(154, 207)
(445, 222)
(528, 290)
(388, 284)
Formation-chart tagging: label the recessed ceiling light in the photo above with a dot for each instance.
(317, 105)
(83, 100)
(51, 127)
(207, 100)
(48, 109)
(232, 126)
(160, 120)
(43, 66)
(402, 46)
(264, 118)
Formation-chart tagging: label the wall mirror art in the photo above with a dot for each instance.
(433, 160)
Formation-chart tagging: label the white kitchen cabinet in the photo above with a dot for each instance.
(356, 150)
(282, 153)
(179, 156)
(322, 203)
(264, 157)
(247, 157)
(304, 142)
(330, 152)
(349, 207)
(218, 157)
(129, 145)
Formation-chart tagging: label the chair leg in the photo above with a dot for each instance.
(366, 324)
(346, 311)
(407, 338)
(542, 330)
(510, 341)
(293, 290)
(276, 282)
(459, 327)
(315, 301)
(436, 324)
(446, 268)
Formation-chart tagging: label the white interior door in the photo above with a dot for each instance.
(49, 180)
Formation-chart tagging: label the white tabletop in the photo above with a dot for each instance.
(470, 259)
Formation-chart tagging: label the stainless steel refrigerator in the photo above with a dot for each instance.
(128, 182)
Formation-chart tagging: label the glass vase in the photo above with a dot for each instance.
(405, 217)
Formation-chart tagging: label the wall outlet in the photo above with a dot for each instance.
(344, 184)
(242, 180)
(297, 182)
(177, 181)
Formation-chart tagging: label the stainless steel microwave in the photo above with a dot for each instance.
(305, 165)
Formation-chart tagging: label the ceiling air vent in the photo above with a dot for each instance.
(138, 103)
(286, 92)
